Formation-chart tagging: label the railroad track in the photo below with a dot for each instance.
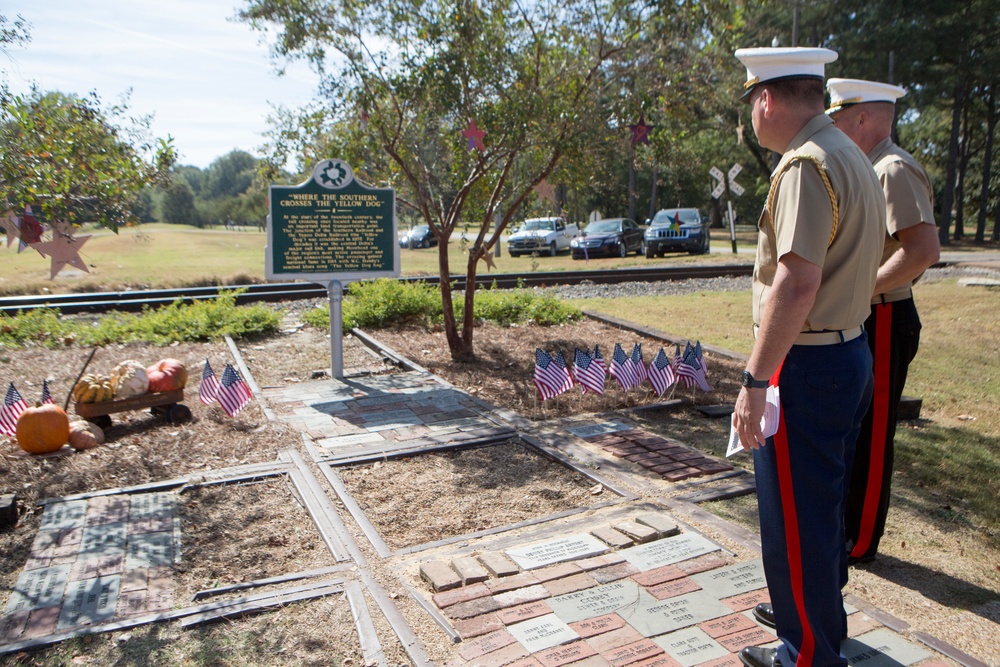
(134, 301)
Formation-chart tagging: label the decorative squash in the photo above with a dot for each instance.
(167, 375)
(93, 388)
(42, 429)
(85, 435)
(129, 379)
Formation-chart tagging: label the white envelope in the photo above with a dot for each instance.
(768, 422)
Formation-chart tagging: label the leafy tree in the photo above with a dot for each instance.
(530, 75)
(74, 159)
(178, 205)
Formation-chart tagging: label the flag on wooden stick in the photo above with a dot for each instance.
(661, 372)
(208, 389)
(13, 406)
(588, 372)
(233, 392)
(551, 375)
(46, 394)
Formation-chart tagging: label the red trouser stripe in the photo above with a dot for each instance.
(792, 541)
(880, 425)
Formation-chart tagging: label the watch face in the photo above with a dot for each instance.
(746, 379)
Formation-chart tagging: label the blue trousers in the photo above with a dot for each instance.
(801, 475)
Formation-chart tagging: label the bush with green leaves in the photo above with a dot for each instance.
(198, 321)
(387, 302)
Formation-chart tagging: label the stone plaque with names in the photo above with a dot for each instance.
(668, 550)
(677, 612)
(103, 540)
(726, 582)
(691, 646)
(150, 550)
(591, 430)
(556, 551)
(90, 601)
(882, 648)
(39, 588)
(538, 634)
(62, 515)
(623, 597)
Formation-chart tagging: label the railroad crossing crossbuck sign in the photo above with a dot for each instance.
(734, 189)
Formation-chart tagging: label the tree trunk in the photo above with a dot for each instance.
(963, 164)
(652, 192)
(459, 344)
(948, 196)
(631, 182)
(984, 190)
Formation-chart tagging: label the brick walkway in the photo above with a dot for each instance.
(619, 585)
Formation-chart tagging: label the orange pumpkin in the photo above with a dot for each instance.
(167, 375)
(85, 435)
(42, 429)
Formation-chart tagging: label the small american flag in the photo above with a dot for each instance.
(46, 394)
(638, 364)
(233, 392)
(599, 360)
(588, 373)
(701, 357)
(13, 406)
(691, 371)
(208, 389)
(622, 369)
(661, 372)
(551, 375)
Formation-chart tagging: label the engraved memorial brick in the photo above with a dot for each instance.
(556, 551)
(690, 646)
(595, 626)
(727, 625)
(729, 581)
(149, 550)
(622, 597)
(626, 655)
(755, 636)
(89, 602)
(524, 612)
(677, 612)
(485, 644)
(668, 551)
(63, 515)
(561, 655)
(670, 589)
(538, 634)
(36, 589)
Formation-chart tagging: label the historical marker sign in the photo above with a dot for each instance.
(332, 227)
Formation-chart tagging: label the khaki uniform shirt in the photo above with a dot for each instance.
(909, 199)
(826, 206)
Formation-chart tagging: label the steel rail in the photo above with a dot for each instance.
(135, 301)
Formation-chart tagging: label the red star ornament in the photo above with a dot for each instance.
(640, 131)
(475, 136)
(63, 249)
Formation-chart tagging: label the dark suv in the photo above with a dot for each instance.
(677, 229)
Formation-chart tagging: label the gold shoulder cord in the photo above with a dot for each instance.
(826, 183)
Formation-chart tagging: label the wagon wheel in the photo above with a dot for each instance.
(178, 413)
(103, 421)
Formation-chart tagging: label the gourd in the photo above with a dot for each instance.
(129, 379)
(167, 375)
(93, 388)
(42, 429)
(85, 435)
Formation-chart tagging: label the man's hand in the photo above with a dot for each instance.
(747, 416)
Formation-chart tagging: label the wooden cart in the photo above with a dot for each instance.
(166, 404)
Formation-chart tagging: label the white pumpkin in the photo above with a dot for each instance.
(129, 379)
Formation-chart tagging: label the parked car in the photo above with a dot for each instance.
(677, 229)
(418, 237)
(609, 237)
(545, 236)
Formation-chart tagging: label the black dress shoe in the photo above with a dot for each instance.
(860, 560)
(757, 656)
(764, 613)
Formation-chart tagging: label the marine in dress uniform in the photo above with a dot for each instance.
(819, 243)
(864, 111)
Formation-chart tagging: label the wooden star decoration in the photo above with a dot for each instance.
(640, 131)
(487, 256)
(546, 191)
(475, 136)
(63, 249)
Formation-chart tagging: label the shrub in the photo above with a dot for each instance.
(199, 321)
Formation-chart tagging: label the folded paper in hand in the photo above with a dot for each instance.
(768, 423)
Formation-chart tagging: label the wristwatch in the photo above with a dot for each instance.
(746, 379)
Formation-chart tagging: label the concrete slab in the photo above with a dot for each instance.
(652, 619)
(882, 648)
(543, 632)
(690, 646)
(733, 580)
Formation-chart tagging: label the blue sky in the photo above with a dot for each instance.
(207, 79)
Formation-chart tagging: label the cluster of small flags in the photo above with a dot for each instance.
(231, 391)
(14, 404)
(553, 377)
